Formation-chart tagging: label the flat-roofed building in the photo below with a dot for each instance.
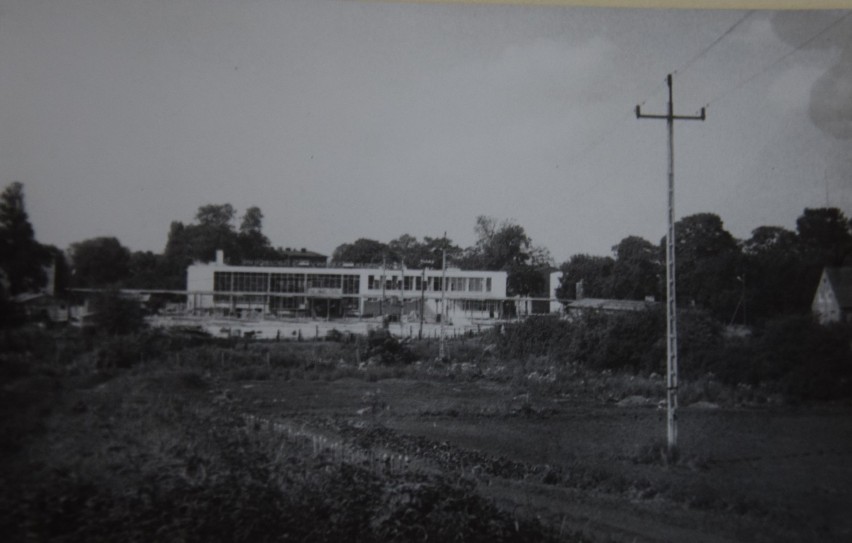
(332, 292)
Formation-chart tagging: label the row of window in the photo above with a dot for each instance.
(348, 284)
(283, 282)
(454, 284)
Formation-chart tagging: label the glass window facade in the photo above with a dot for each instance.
(325, 281)
(287, 282)
(351, 284)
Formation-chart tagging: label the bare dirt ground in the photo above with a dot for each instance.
(288, 328)
(767, 474)
(585, 468)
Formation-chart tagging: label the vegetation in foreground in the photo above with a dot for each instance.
(136, 436)
(116, 438)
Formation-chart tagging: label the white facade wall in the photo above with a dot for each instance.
(464, 288)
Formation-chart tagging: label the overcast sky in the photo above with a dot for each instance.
(351, 119)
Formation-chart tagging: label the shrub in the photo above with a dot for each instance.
(115, 315)
(535, 336)
(619, 341)
(792, 354)
(388, 350)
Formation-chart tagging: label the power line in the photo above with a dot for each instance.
(716, 41)
(780, 60)
(628, 116)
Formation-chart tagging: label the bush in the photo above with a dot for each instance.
(793, 355)
(811, 361)
(115, 315)
(382, 345)
(619, 341)
(535, 336)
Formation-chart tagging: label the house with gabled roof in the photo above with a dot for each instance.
(833, 298)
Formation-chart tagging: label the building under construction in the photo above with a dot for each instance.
(346, 291)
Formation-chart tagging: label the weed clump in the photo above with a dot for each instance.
(383, 348)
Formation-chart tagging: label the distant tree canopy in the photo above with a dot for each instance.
(363, 251)
(825, 234)
(214, 230)
(593, 272)
(708, 262)
(774, 272)
(500, 246)
(637, 271)
(405, 250)
(22, 258)
(99, 262)
(505, 245)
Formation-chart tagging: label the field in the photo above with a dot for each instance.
(318, 441)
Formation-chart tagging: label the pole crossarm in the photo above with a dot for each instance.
(670, 116)
(701, 117)
(671, 287)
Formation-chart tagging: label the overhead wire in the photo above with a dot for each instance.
(775, 63)
(623, 119)
(629, 115)
(721, 37)
(779, 60)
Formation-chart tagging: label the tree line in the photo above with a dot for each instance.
(774, 272)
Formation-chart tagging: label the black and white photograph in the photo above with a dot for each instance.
(426, 271)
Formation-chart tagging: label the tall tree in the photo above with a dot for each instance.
(252, 221)
(252, 243)
(407, 250)
(99, 262)
(708, 263)
(177, 255)
(216, 215)
(212, 231)
(434, 249)
(595, 272)
(22, 258)
(637, 269)
(500, 245)
(825, 234)
(147, 270)
(363, 251)
(774, 269)
(505, 245)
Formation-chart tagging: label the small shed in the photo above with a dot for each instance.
(43, 307)
(833, 298)
(582, 305)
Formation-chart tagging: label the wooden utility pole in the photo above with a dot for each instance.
(401, 297)
(382, 302)
(671, 290)
(422, 295)
(442, 350)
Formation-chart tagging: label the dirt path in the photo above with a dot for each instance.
(590, 470)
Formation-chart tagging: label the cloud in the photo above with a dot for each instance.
(831, 99)
(830, 105)
(792, 88)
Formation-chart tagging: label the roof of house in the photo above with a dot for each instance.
(609, 305)
(27, 297)
(841, 284)
(293, 253)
